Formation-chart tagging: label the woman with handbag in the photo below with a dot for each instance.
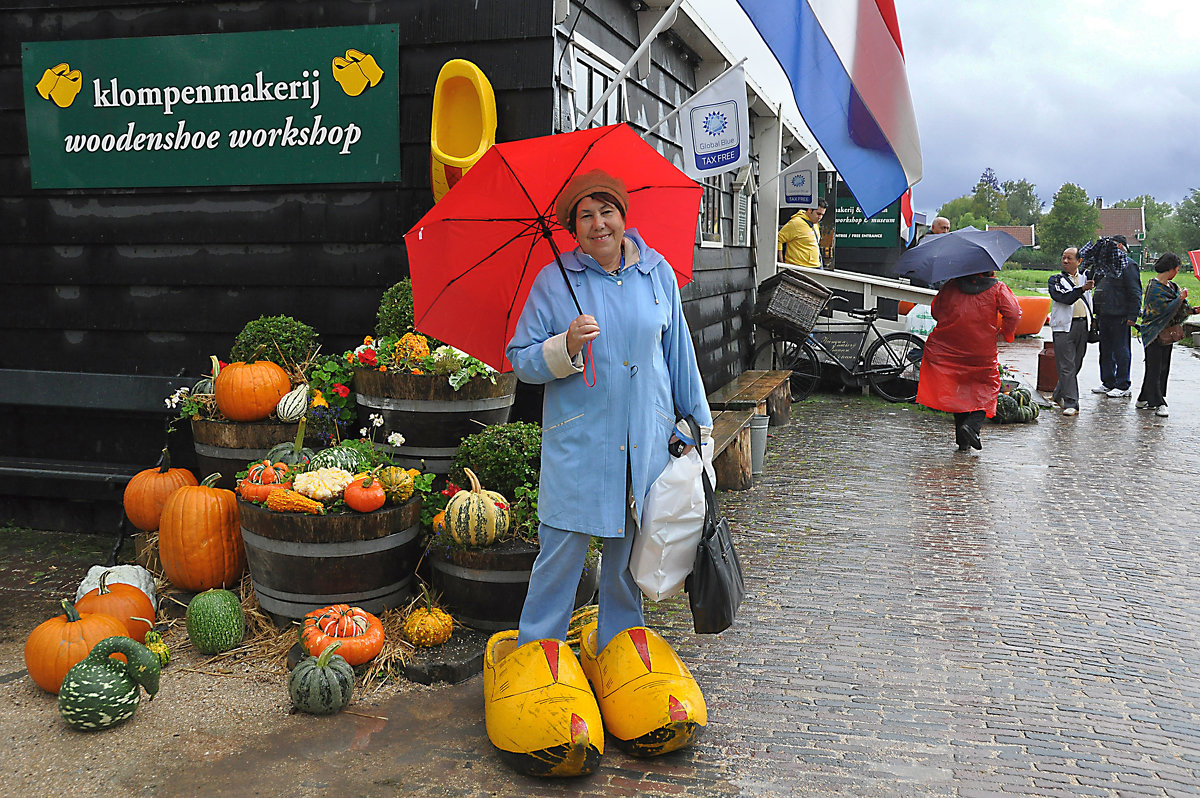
(614, 378)
(1162, 325)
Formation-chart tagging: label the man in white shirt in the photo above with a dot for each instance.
(1070, 319)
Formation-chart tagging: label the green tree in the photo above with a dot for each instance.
(1072, 220)
(987, 202)
(1022, 202)
(969, 219)
(954, 209)
(1166, 237)
(988, 178)
(1154, 211)
(1188, 219)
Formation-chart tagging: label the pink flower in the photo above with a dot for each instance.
(341, 390)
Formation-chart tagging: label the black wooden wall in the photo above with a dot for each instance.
(148, 281)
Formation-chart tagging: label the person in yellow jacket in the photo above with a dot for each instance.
(799, 238)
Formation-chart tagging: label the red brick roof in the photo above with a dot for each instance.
(1023, 233)
(1126, 221)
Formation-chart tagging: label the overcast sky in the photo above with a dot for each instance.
(1102, 93)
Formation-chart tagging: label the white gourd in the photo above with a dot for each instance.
(293, 405)
(323, 483)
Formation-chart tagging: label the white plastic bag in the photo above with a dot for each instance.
(672, 519)
(920, 320)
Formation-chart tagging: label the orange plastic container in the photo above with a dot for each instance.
(1035, 311)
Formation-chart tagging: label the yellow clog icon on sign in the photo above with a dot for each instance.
(60, 84)
(356, 72)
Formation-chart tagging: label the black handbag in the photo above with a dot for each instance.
(715, 587)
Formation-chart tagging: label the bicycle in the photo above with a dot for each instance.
(890, 364)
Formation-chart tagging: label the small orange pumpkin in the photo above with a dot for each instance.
(59, 643)
(200, 537)
(250, 391)
(364, 494)
(123, 602)
(262, 478)
(148, 490)
(359, 632)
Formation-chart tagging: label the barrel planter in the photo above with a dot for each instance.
(485, 588)
(432, 416)
(301, 562)
(226, 447)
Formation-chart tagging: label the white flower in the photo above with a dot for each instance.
(395, 439)
(363, 432)
(376, 420)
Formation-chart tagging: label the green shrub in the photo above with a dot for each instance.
(503, 456)
(395, 314)
(280, 339)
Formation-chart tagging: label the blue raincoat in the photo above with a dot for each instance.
(645, 368)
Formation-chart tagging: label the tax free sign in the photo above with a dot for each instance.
(319, 105)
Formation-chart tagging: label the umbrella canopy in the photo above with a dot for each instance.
(965, 251)
(474, 256)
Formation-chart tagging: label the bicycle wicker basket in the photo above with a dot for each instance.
(790, 300)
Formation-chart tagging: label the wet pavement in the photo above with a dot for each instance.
(1024, 620)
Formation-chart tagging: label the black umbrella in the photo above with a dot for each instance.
(966, 251)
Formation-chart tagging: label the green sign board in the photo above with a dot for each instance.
(852, 229)
(319, 105)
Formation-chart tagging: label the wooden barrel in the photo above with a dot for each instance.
(300, 562)
(432, 416)
(486, 588)
(226, 447)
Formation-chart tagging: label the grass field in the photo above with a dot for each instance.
(1032, 282)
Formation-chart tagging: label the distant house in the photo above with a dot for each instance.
(1024, 233)
(1129, 222)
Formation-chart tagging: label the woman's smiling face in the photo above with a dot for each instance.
(600, 229)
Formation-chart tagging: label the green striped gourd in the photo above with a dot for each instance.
(322, 685)
(476, 517)
(346, 458)
(215, 621)
(99, 692)
(293, 405)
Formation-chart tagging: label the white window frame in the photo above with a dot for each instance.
(707, 203)
(588, 62)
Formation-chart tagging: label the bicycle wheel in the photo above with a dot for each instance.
(894, 363)
(783, 353)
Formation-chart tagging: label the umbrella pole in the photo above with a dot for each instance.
(561, 269)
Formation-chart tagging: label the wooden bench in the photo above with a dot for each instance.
(763, 392)
(731, 449)
(69, 392)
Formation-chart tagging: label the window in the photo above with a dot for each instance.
(743, 189)
(594, 72)
(710, 212)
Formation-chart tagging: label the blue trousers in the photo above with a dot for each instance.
(1114, 352)
(555, 579)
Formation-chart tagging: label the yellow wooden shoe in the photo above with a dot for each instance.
(649, 701)
(540, 711)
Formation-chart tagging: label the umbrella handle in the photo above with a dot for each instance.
(587, 361)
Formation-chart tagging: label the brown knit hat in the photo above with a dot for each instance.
(585, 184)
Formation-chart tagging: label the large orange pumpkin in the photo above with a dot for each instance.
(57, 644)
(123, 602)
(147, 492)
(250, 391)
(359, 632)
(200, 538)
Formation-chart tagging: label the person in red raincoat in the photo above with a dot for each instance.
(959, 371)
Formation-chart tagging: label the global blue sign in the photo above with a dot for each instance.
(715, 133)
(715, 130)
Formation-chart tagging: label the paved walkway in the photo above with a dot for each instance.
(1023, 620)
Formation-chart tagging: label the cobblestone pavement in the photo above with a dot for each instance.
(1022, 620)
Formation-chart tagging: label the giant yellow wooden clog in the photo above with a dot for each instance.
(464, 123)
(649, 701)
(539, 709)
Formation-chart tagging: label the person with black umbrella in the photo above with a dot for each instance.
(959, 370)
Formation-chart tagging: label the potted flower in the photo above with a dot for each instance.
(486, 585)
(437, 394)
(244, 407)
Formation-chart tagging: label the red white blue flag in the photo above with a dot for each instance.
(846, 66)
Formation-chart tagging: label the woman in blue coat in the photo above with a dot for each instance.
(615, 377)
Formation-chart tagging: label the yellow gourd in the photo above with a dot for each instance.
(428, 625)
(289, 501)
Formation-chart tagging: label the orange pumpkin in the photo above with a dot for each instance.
(250, 391)
(123, 602)
(262, 478)
(200, 538)
(359, 632)
(148, 490)
(57, 644)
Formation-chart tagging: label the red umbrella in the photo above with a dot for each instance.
(474, 256)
